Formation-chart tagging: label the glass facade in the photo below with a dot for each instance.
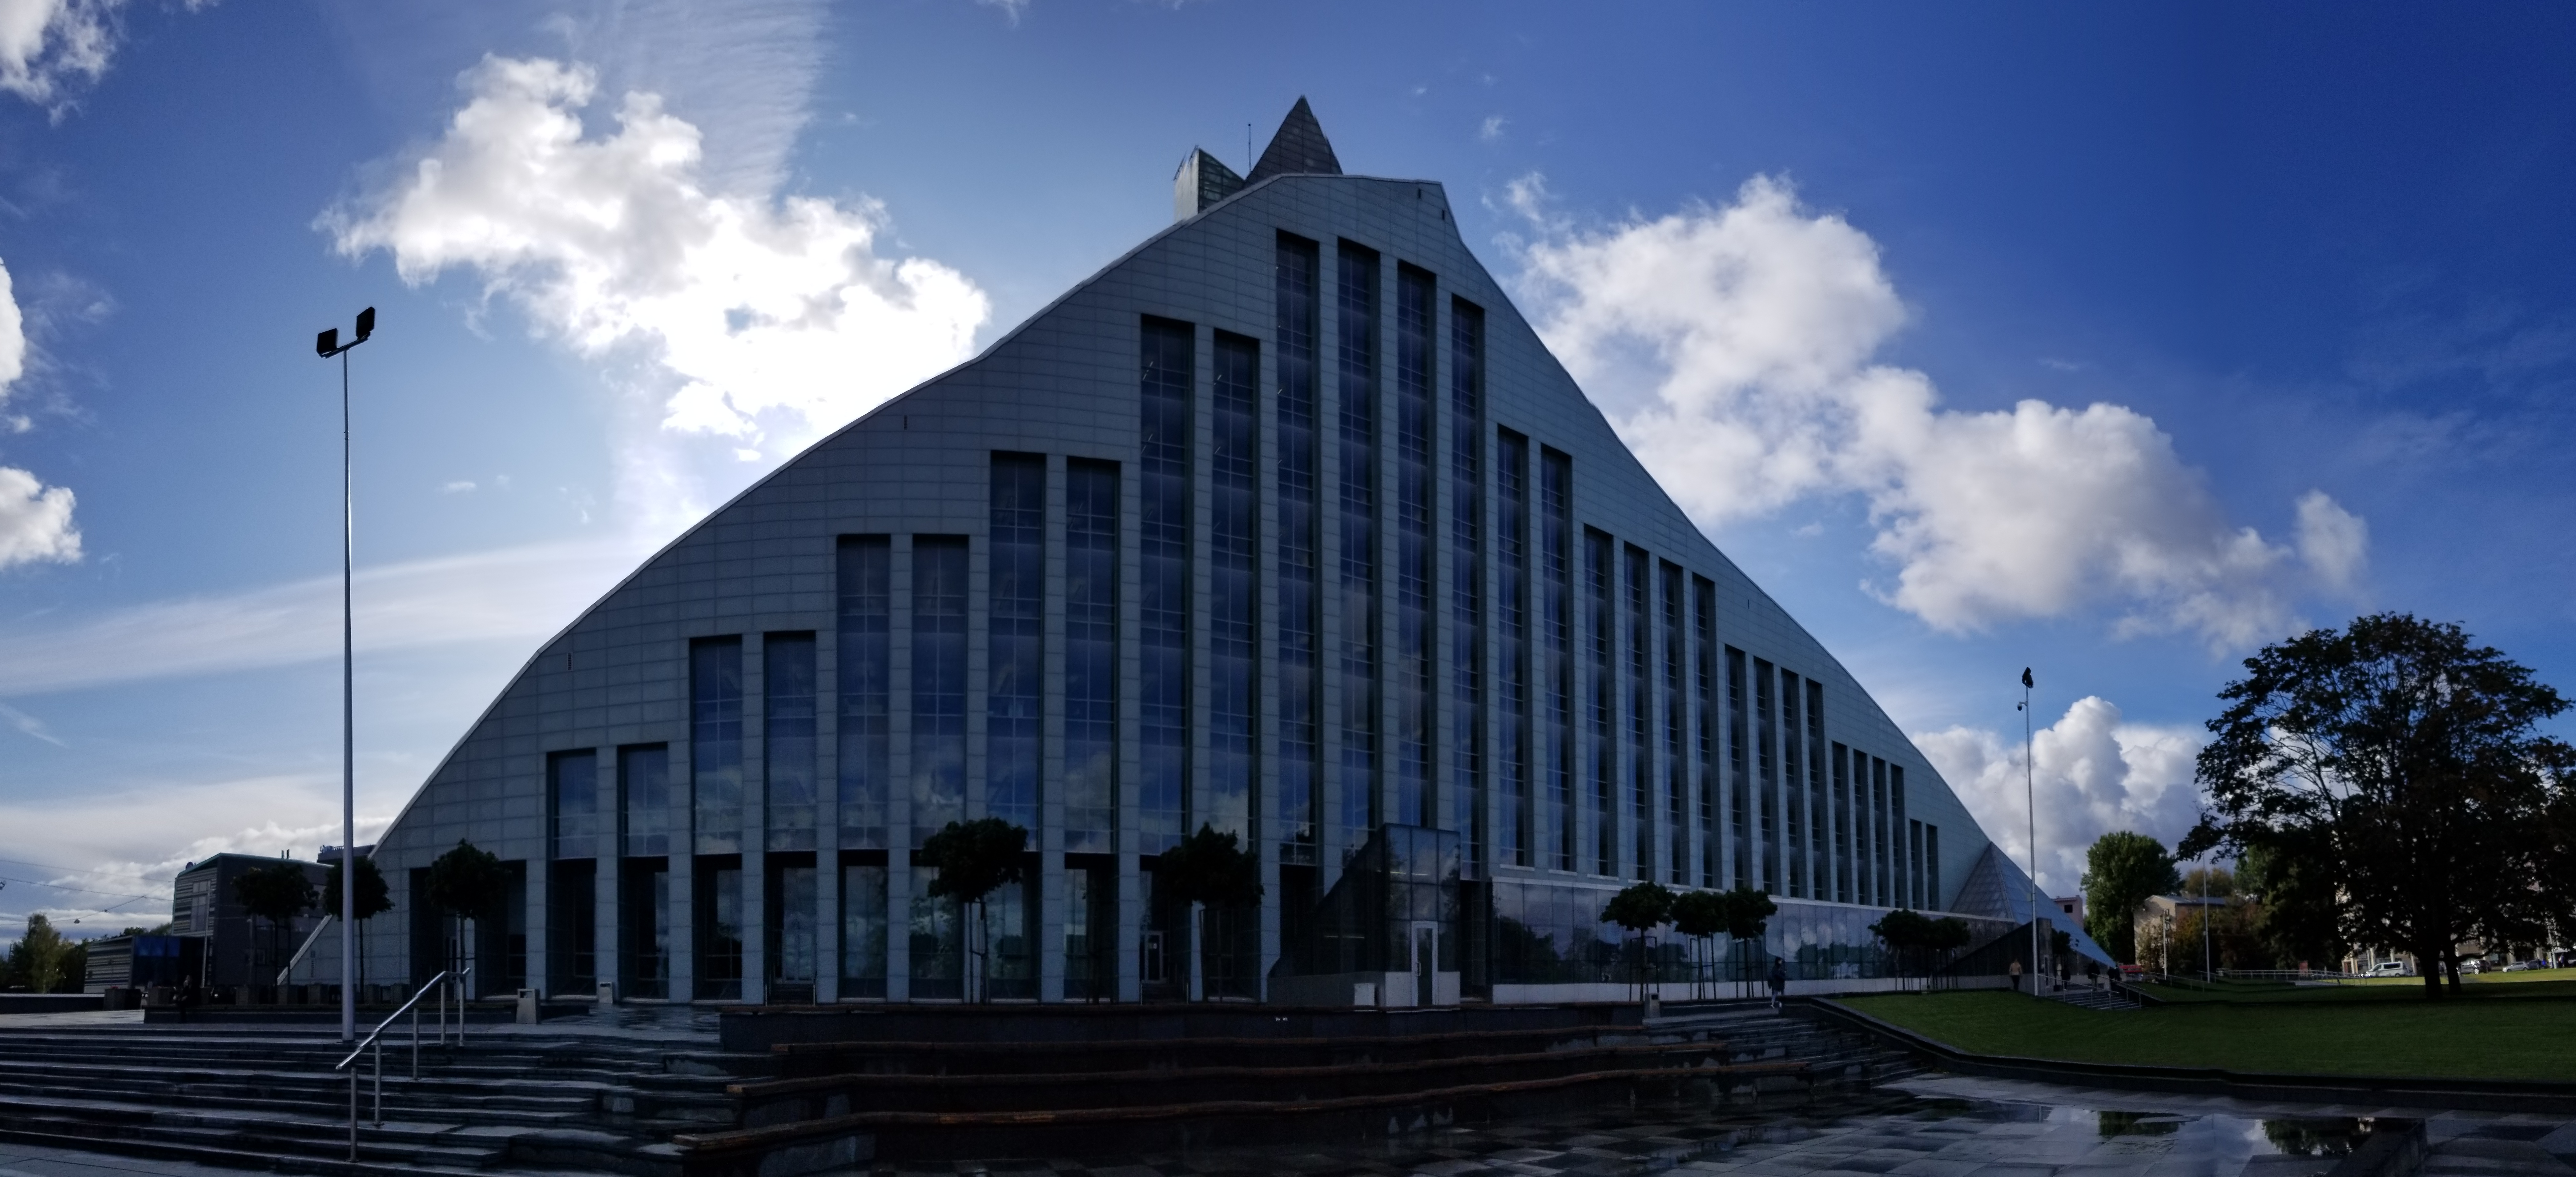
(1015, 642)
(1676, 727)
(1600, 700)
(863, 930)
(1163, 604)
(572, 780)
(938, 683)
(1841, 785)
(1409, 680)
(715, 742)
(1704, 708)
(866, 687)
(656, 814)
(1819, 806)
(1793, 789)
(1511, 589)
(1355, 561)
(1234, 593)
(1300, 653)
(1641, 712)
(1766, 774)
(1090, 656)
(787, 739)
(1739, 774)
(1467, 582)
(1556, 646)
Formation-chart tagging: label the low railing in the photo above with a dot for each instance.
(2286, 975)
(439, 984)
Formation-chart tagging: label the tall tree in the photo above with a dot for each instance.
(1209, 872)
(277, 892)
(40, 958)
(2120, 872)
(1638, 908)
(374, 899)
(2413, 758)
(466, 883)
(974, 859)
(2300, 920)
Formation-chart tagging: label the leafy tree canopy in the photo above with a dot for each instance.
(374, 898)
(1699, 914)
(467, 883)
(1748, 913)
(1639, 906)
(41, 960)
(1211, 868)
(974, 858)
(2120, 872)
(2406, 763)
(277, 892)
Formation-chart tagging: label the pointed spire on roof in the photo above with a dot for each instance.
(1298, 149)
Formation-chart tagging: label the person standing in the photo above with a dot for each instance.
(1779, 983)
(2016, 976)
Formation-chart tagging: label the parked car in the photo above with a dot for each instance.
(2388, 968)
(2474, 965)
(2526, 966)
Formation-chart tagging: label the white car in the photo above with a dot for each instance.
(2387, 968)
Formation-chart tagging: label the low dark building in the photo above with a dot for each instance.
(237, 949)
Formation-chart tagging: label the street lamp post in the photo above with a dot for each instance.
(2030, 801)
(327, 344)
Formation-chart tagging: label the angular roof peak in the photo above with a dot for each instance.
(1299, 149)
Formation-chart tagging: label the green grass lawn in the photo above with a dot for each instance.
(2333, 1036)
(2543, 983)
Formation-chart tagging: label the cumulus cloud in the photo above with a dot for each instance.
(47, 45)
(759, 322)
(35, 519)
(1734, 348)
(2092, 771)
(1491, 130)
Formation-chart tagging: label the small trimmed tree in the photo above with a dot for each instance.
(1699, 916)
(1906, 933)
(277, 892)
(1212, 872)
(1748, 917)
(374, 899)
(1639, 908)
(974, 859)
(466, 883)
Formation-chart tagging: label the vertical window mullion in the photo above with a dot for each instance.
(1163, 614)
(1467, 572)
(1355, 567)
(1015, 639)
(1234, 595)
(1299, 805)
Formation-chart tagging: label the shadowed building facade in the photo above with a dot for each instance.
(1285, 524)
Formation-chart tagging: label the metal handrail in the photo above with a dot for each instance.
(441, 983)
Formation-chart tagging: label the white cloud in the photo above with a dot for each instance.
(29, 725)
(762, 322)
(2094, 773)
(513, 594)
(46, 45)
(1491, 131)
(35, 521)
(13, 332)
(458, 487)
(1734, 348)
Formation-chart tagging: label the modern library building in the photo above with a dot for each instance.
(1285, 524)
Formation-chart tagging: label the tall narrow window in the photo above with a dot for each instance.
(657, 812)
(1934, 899)
(1704, 689)
(572, 780)
(1300, 687)
(1410, 681)
(1819, 803)
(1739, 776)
(863, 930)
(715, 742)
(866, 688)
(1793, 784)
(1883, 888)
(1467, 578)
(938, 683)
(1842, 823)
(1090, 656)
(1355, 569)
(1601, 697)
(1015, 646)
(1234, 596)
(787, 738)
(1904, 865)
(1641, 712)
(1676, 724)
(1512, 587)
(1556, 628)
(1914, 867)
(1163, 611)
(1766, 774)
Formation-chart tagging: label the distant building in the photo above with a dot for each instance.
(238, 949)
(2072, 907)
(1286, 524)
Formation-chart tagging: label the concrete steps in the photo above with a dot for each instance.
(521, 1101)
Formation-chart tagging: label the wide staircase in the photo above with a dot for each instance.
(2110, 998)
(913, 1092)
(598, 1094)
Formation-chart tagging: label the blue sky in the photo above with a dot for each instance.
(2112, 342)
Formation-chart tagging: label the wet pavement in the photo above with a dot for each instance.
(1929, 1126)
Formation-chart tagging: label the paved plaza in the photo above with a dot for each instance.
(1929, 1126)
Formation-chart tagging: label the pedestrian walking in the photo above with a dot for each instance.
(1779, 983)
